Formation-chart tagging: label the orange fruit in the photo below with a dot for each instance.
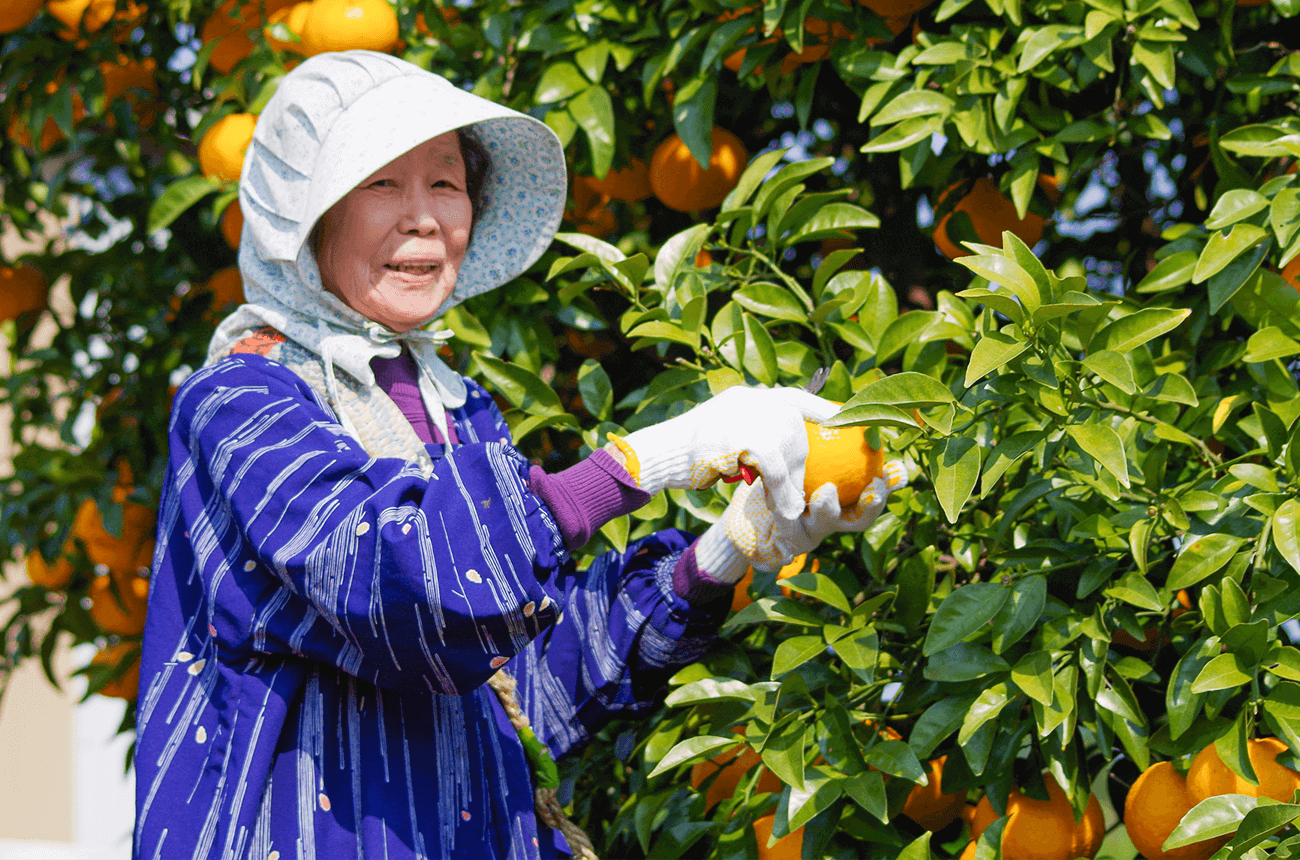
(227, 289)
(629, 183)
(788, 847)
(928, 806)
(49, 576)
(118, 554)
(968, 853)
(1156, 803)
(232, 225)
(22, 290)
(794, 568)
(16, 14)
(50, 132)
(123, 77)
(590, 344)
(295, 18)
(1043, 829)
(1208, 776)
(121, 614)
(680, 183)
(229, 26)
(740, 594)
(221, 152)
(341, 25)
(1185, 600)
(598, 222)
(990, 213)
(81, 15)
(703, 259)
(733, 764)
(128, 685)
(840, 456)
(1291, 273)
(895, 8)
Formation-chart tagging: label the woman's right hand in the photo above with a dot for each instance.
(762, 428)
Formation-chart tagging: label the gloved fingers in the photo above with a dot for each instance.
(810, 406)
(895, 474)
(782, 471)
(864, 513)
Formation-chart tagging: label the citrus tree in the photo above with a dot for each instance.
(1045, 252)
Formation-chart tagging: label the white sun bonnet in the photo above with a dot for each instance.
(333, 121)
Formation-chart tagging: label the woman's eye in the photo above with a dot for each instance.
(381, 183)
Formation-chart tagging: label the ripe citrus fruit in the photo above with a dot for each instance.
(968, 853)
(740, 593)
(121, 613)
(49, 576)
(788, 847)
(680, 183)
(227, 288)
(22, 290)
(16, 14)
(221, 152)
(1156, 803)
(81, 15)
(341, 25)
(127, 686)
(295, 18)
(1291, 272)
(928, 806)
(895, 8)
(990, 213)
(124, 77)
(840, 456)
(794, 568)
(1208, 776)
(229, 26)
(232, 225)
(1043, 829)
(118, 554)
(730, 765)
(629, 183)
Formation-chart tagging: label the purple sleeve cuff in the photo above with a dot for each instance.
(586, 496)
(694, 585)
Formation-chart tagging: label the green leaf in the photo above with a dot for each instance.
(904, 134)
(1182, 703)
(693, 107)
(1134, 589)
(1114, 367)
(1008, 273)
(1021, 613)
(1104, 445)
(955, 467)
(1286, 532)
(913, 103)
(820, 586)
(872, 415)
(1270, 343)
(1215, 816)
(760, 360)
(794, 652)
(594, 112)
(907, 389)
(1203, 556)
(558, 82)
(963, 662)
(1170, 273)
(751, 179)
(1235, 205)
(1224, 284)
(1221, 673)
(988, 704)
(681, 246)
(663, 330)
(868, 791)
(991, 352)
(1033, 675)
(692, 749)
(616, 532)
(784, 754)
(962, 613)
(939, 721)
(898, 759)
(596, 390)
(179, 196)
(521, 386)
(860, 651)
(709, 689)
(1006, 453)
(999, 301)
(1223, 248)
(771, 300)
(831, 220)
(1259, 824)
(1131, 331)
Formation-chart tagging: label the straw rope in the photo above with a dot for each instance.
(545, 803)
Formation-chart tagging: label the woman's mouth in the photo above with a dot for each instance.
(412, 268)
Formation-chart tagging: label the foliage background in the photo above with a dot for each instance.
(1111, 424)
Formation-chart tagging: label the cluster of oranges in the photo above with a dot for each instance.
(23, 290)
(990, 213)
(1161, 796)
(119, 587)
(317, 25)
(78, 17)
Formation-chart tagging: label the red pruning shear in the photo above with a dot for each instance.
(747, 472)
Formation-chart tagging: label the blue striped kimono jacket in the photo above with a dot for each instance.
(321, 624)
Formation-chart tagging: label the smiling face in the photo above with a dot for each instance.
(391, 248)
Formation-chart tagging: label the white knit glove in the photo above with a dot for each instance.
(760, 428)
(749, 533)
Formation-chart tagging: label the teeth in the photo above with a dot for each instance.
(414, 268)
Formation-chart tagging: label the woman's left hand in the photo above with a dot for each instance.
(761, 428)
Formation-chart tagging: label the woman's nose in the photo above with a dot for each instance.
(418, 217)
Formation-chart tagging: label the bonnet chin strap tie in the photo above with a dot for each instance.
(545, 774)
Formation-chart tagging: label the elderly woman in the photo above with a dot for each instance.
(366, 636)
